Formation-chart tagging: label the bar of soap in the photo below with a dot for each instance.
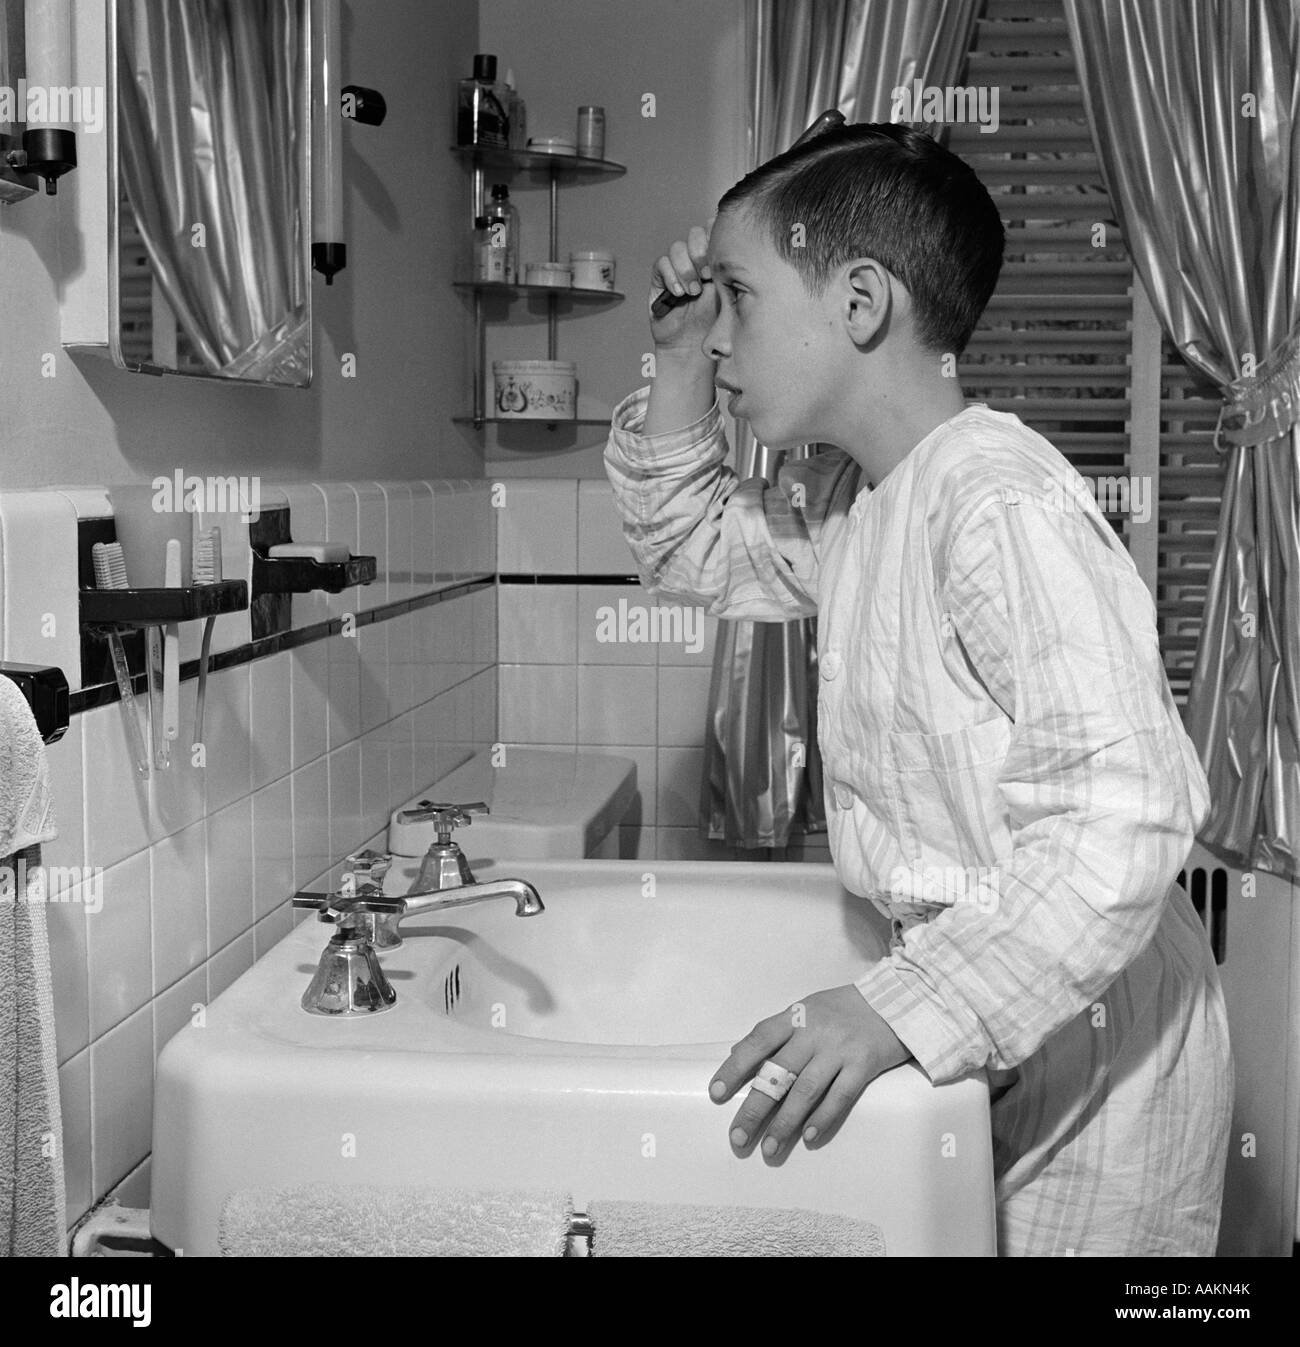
(313, 551)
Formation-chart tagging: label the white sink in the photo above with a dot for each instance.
(569, 1050)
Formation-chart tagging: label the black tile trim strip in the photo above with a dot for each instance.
(524, 579)
(88, 699)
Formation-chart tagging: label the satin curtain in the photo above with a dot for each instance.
(762, 768)
(210, 102)
(1193, 109)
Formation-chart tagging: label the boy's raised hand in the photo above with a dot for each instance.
(834, 1042)
(683, 271)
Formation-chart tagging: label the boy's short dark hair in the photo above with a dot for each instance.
(877, 189)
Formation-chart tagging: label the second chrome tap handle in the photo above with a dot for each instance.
(371, 865)
(335, 906)
(444, 817)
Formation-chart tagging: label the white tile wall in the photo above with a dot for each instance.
(563, 644)
(119, 958)
(539, 624)
(538, 527)
(310, 687)
(372, 540)
(616, 705)
(307, 751)
(599, 607)
(74, 1102)
(538, 703)
(121, 1099)
(399, 500)
(422, 545)
(271, 740)
(179, 905)
(448, 562)
(602, 549)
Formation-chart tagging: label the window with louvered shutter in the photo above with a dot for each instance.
(1068, 342)
(1191, 491)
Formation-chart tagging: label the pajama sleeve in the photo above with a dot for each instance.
(743, 548)
(1100, 790)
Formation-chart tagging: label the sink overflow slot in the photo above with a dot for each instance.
(451, 990)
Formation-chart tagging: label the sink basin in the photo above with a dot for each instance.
(568, 1050)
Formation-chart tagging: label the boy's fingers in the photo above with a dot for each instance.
(748, 1055)
(834, 1108)
(665, 274)
(697, 241)
(680, 257)
(785, 1129)
(758, 1107)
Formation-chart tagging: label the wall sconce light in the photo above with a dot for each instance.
(36, 38)
(329, 253)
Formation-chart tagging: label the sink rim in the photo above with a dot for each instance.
(262, 1005)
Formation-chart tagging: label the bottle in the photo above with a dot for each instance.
(489, 262)
(503, 226)
(591, 132)
(481, 118)
(517, 112)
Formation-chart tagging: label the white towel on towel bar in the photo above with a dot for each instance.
(32, 1213)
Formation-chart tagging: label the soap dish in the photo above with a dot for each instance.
(302, 575)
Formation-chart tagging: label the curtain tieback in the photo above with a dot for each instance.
(1256, 411)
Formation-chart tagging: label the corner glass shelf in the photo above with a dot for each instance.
(533, 159)
(505, 288)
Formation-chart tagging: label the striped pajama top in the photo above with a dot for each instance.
(1007, 779)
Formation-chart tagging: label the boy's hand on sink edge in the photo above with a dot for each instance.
(834, 1042)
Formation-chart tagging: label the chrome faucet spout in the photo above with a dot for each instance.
(528, 902)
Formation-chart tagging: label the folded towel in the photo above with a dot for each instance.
(26, 815)
(666, 1230)
(321, 1220)
(33, 1221)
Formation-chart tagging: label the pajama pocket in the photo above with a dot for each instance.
(952, 819)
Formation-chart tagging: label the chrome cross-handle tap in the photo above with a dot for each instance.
(370, 867)
(350, 980)
(445, 817)
(351, 908)
(444, 865)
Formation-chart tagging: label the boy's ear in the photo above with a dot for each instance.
(867, 299)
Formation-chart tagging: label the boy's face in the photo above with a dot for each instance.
(779, 350)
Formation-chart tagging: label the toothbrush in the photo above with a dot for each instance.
(207, 571)
(162, 754)
(172, 649)
(110, 573)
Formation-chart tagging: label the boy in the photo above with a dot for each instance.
(992, 700)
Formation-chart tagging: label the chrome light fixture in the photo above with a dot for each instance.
(332, 103)
(329, 253)
(37, 94)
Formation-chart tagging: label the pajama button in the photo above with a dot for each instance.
(843, 796)
(831, 664)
